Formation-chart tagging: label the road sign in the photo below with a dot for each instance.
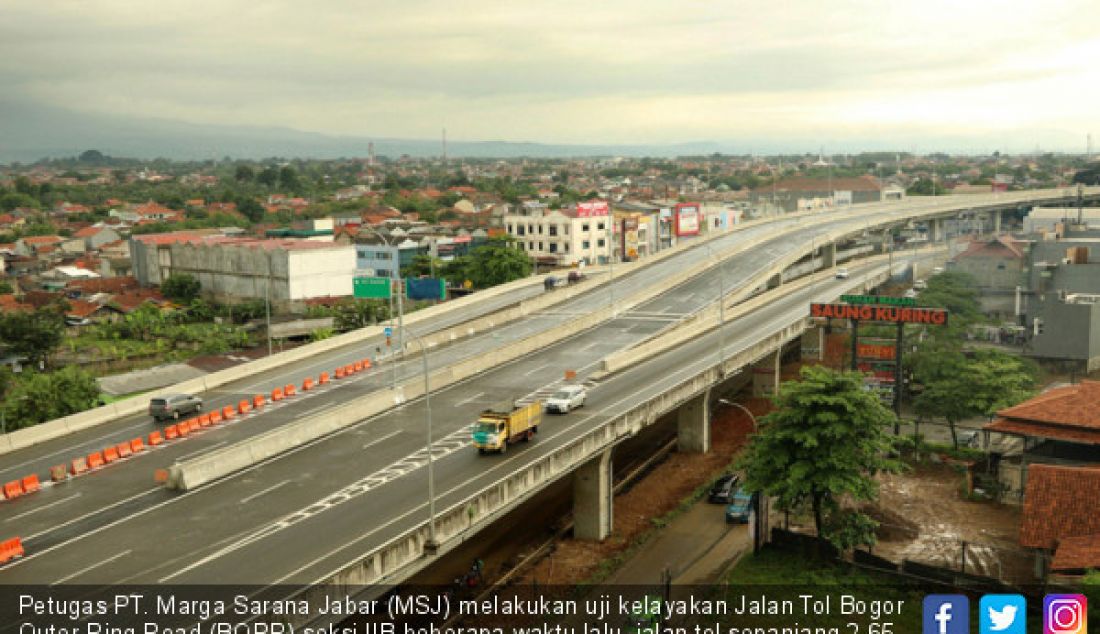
(387, 331)
(370, 287)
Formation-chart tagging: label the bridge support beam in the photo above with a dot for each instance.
(593, 499)
(765, 374)
(828, 256)
(997, 222)
(693, 425)
(936, 230)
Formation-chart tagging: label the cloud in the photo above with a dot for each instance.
(566, 71)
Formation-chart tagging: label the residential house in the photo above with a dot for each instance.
(1061, 519)
(998, 265)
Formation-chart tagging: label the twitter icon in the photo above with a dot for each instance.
(1002, 614)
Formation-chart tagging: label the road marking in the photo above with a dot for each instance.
(43, 507)
(532, 371)
(203, 450)
(378, 440)
(73, 448)
(591, 345)
(267, 490)
(471, 399)
(77, 519)
(91, 567)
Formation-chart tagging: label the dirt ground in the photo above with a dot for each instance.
(659, 492)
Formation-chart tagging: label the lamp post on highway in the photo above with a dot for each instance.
(400, 308)
(431, 545)
(759, 502)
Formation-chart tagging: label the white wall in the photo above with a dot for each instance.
(321, 272)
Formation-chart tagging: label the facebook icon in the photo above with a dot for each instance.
(946, 614)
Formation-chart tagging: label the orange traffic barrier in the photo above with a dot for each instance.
(110, 454)
(184, 429)
(307, 384)
(95, 460)
(244, 406)
(290, 390)
(349, 370)
(137, 445)
(58, 473)
(171, 432)
(13, 490)
(228, 412)
(155, 438)
(123, 449)
(78, 466)
(202, 421)
(11, 549)
(339, 372)
(207, 417)
(160, 475)
(366, 364)
(321, 380)
(215, 417)
(277, 394)
(31, 484)
(357, 366)
(258, 401)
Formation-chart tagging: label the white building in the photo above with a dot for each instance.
(569, 235)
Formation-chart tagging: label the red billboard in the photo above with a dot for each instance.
(868, 312)
(688, 217)
(592, 208)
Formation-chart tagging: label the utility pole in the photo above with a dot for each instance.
(267, 301)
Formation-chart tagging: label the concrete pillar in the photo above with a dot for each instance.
(828, 256)
(936, 229)
(693, 425)
(813, 344)
(997, 222)
(593, 499)
(765, 374)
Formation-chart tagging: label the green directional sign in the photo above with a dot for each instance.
(878, 299)
(370, 287)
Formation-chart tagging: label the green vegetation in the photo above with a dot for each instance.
(181, 288)
(32, 335)
(34, 397)
(823, 444)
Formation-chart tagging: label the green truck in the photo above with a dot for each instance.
(504, 424)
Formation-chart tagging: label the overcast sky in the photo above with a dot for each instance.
(818, 73)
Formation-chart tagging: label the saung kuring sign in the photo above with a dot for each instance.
(867, 312)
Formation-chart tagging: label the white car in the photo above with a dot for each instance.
(566, 399)
(842, 274)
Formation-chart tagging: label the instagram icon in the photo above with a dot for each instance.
(1065, 614)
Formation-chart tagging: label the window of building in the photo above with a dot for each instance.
(586, 244)
(553, 230)
(553, 247)
(599, 227)
(1001, 266)
(584, 227)
(540, 230)
(530, 246)
(600, 242)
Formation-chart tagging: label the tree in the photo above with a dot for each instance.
(181, 288)
(244, 174)
(250, 208)
(497, 262)
(269, 176)
(5, 287)
(288, 178)
(357, 313)
(925, 187)
(36, 397)
(33, 335)
(825, 441)
(422, 265)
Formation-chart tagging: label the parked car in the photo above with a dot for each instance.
(911, 294)
(723, 489)
(575, 276)
(920, 285)
(174, 406)
(551, 282)
(568, 398)
(842, 274)
(737, 512)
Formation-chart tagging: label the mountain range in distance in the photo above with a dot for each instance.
(29, 132)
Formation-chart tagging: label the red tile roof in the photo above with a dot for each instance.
(803, 184)
(173, 237)
(1000, 247)
(103, 285)
(130, 301)
(43, 240)
(1077, 554)
(1059, 502)
(8, 304)
(81, 309)
(1069, 413)
(87, 232)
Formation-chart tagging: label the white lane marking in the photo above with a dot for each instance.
(534, 370)
(91, 567)
(77, 519)
(267, 490)
(203, 450)
(43, 507)
(591, 345)
(382, 439)
(471, 399)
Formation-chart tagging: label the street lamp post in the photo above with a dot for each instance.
(431, 544)
(267, 301)
(400, 308)
(760, 507)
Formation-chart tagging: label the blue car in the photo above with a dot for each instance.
(737, 512)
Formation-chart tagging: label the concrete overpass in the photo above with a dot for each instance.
(372, 470)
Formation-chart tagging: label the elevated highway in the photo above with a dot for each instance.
(363, 487)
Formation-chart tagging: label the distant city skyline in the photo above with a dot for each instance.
(933, 75)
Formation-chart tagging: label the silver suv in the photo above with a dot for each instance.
(174, 406)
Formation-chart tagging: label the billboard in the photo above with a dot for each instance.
(592, 209)
(370, 287)
(688, 218)
(871, 312)
(426, 288)
(875, 351)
